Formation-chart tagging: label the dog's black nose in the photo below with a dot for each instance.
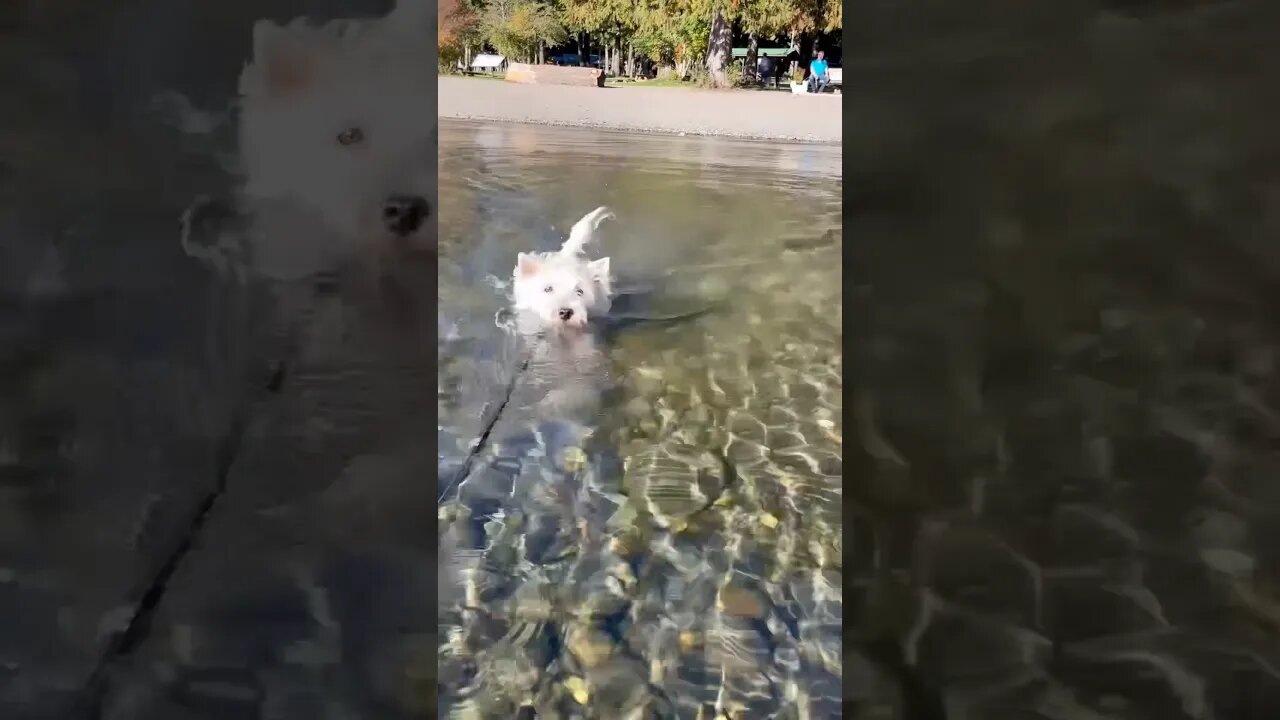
(404, 214)
(566, 313)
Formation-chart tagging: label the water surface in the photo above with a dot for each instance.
(653, 520)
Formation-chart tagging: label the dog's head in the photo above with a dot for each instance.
(340, 120)
(559, 291)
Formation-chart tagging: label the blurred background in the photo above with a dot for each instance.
(1061, 228)
(129, 374)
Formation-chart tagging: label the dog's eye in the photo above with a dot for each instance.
(350, 136)
(547, 289)
(579, 291)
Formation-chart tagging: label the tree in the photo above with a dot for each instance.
(672, 32)
(458, 28)
(518, 28)
(794, 18)
(762, 18)
(719, 49)
(814, 16)
(613, 20)
(680, 33)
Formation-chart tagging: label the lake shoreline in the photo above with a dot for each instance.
(747, 115)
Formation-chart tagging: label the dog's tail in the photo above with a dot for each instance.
(584, 231)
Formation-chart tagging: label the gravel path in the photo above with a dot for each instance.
(762, 115)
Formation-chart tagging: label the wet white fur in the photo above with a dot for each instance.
(547, 283)
(316, 200)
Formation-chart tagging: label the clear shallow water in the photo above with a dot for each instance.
(653, 524)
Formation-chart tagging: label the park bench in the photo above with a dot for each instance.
(837, 79)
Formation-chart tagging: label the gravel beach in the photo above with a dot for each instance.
(743, 114)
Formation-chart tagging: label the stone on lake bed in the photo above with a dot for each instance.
(589, 645)
(674, 481)
(577, 687)
(574, 458)
(1229, 562)
(742, 601)
(638, 408)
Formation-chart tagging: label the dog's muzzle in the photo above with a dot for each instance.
(570, 320)
(404, 214)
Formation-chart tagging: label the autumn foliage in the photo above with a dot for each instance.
(456, 23)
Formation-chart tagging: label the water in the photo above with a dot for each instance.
(1061, 500)
(653, 522)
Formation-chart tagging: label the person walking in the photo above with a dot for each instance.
(765, 70)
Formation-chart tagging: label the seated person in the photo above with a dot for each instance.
(818, 77)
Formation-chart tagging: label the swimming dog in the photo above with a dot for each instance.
(563, 290)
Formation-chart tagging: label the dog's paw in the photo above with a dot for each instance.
(208, 233)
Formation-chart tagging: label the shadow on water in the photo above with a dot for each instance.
(653, 522)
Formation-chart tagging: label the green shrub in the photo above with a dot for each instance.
(450, 54)
(735, 74)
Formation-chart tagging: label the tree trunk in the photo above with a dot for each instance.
(749, 69)
(542, 52)
(582, 49)
(719, 50)
(794, 45)
(615, 66)
(631, 59)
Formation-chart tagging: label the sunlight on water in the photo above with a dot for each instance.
(654, 522)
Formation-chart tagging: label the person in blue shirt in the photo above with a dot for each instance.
(818, 77)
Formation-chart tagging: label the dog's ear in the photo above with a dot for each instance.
(599, 270)
(286, 64)
(527, 264)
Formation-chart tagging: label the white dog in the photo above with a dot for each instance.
(563, 290)
(337, 143)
